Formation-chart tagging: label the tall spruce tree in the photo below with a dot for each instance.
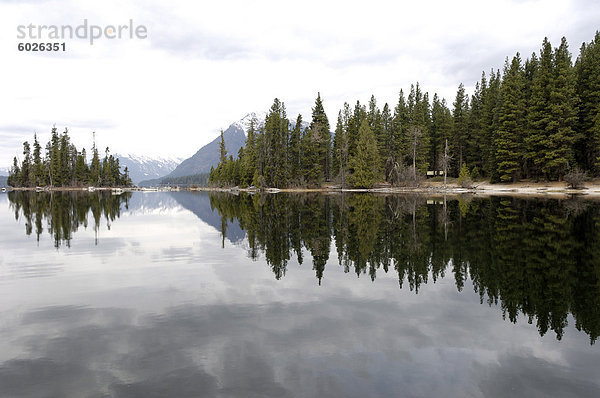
(562, 135)
(319, 127)
(540, 113)
(587, 69)
(364, 163)
(460, 114)
(509, 138)
(294, 152)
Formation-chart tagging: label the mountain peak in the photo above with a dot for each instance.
(244, 123)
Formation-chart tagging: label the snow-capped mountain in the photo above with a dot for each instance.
(259, 122)
(145, 167)
(208, 155)
(244, 123)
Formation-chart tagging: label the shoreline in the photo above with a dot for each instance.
(529, 189)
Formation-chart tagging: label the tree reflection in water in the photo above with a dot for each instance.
(62, 213)
(538, 258)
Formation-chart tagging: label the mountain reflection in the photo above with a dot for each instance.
(62, 213)
(539, 259)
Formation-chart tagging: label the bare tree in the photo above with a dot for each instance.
(415, 133)
(445, 161)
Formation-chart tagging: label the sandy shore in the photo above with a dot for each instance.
(480, 188)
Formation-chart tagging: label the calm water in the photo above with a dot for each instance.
(189, 294)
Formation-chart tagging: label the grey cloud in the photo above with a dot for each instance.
(533, 377)
(199, 45)
(334, 347)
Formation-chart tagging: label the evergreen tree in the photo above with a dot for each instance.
(562, 134)
(294, 152)
(276, 137)
(340, 150)
(416, 139)
(26, 167)
(55, 171)
(540, 114)
(508, 140)
(95, 167)
(319, 127)
(399, 129)
(441, 124)
(460, 124)
(222, 149)
(387, 153)
(249, 157)
(587, 69)
(38, 166)
(364, 163)
(491, 109)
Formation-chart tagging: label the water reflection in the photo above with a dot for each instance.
(539, 258)
(171, 304)
(62, 213)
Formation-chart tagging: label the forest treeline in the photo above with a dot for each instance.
(538, 260)
(536, 119)
(61, 164)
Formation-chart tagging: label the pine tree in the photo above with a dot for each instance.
(249, 157)
(222, 149)
(399, 129)
(340, 150)
(81, 169)
(294, 152)
(540, 113)
(38, 166)
(65, 159)
(319, 127)
(530, 70)
(587, 68)
(95, 167)
(55, 169)
(441, 124)
(376, 124)
(364, 163)
(460, 124)
(561, 133)
(276, 138)
(476, 129)
(26, 167)
(354, 122)
(491, 109)
(419, 122)
(388, 151)
(509, 138)
(311, 161)
(15, 172)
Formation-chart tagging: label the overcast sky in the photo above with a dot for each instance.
(205, 65)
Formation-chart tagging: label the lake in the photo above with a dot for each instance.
(187, 294)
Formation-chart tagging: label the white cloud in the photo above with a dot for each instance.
(205, 65)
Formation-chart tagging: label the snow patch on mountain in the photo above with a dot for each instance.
(244, 123)
(143, 167)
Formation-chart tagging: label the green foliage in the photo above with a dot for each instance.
(535, 261)
(64, 166)
(509, 139)
(364, 164)
(535, 120)
(464, 177)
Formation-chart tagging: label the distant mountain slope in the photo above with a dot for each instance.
(144, 168)
(208, 155)
(3, 181)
